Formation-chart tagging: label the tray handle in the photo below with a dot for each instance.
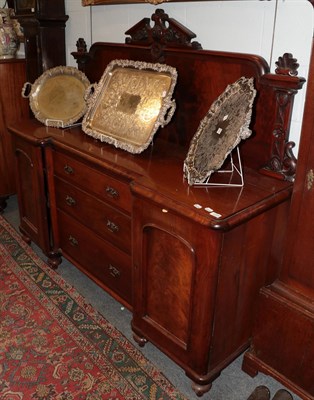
(26, 90)
(171, 107)
(90, 90)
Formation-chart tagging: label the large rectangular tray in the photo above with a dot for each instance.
(130, 103)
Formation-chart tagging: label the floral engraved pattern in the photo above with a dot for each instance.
(131, 101)
(54, 346)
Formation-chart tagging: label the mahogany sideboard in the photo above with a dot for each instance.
(132, 223)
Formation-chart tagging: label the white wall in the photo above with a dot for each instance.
(268, 28)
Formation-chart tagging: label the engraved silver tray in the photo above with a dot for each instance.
(57, 97)
(220, 131)
(130, 102)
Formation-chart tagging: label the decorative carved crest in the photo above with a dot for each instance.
(287, 65)
(166, 32)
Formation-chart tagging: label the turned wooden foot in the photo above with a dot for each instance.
(200, 389)
(54, 259)
(139, 340)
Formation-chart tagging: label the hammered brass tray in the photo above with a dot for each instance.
(130, 103)
(57, 97)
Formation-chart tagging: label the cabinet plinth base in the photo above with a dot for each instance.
(3, 203)
(282, 344)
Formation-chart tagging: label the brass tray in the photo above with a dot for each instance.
(220, 131)
(57, 97)
(130, 103)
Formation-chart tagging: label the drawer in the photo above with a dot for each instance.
(103, 219)
(107, 265)
(102, 185)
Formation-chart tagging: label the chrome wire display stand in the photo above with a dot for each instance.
(235, 173)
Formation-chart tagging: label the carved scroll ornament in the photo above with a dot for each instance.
(282, 161)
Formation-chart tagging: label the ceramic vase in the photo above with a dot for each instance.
(9, 42)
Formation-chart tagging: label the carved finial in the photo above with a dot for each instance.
(81, 45)
(166, 32)
(287, 65)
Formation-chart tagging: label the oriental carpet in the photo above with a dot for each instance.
(55, 346)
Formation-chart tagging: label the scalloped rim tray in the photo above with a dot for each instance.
(57, 97)
(130, 103)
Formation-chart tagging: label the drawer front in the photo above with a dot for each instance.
(104, 263)
(106, 221)
(104, 186)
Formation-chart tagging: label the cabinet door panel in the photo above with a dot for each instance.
(175, 271)
(32, 200)
(170, 264)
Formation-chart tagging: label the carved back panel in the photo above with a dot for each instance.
(202, 76)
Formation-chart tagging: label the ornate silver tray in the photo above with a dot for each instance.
(220, 131)
(57, 97)
(130, 102)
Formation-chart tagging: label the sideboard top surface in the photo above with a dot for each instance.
(157, 173)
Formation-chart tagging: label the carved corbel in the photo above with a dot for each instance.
(285, 85)
(81, 55)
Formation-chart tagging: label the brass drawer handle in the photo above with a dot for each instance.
(73, 241)
(68, 170)
(113, 271)
(112, 227)
(112, 192)
(70, 201)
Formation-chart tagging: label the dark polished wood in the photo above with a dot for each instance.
(283, 339)
(134, 225)
(201, 81)
(12, 108)
(44, 33)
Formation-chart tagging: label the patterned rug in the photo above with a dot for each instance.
(53, 345)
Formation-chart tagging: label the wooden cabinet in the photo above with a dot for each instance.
(131, 224)
(194, 284)
(188, 260)
(12, 108)
(283, 338)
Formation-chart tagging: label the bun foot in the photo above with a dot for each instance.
(139, 340)
(200, 389)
